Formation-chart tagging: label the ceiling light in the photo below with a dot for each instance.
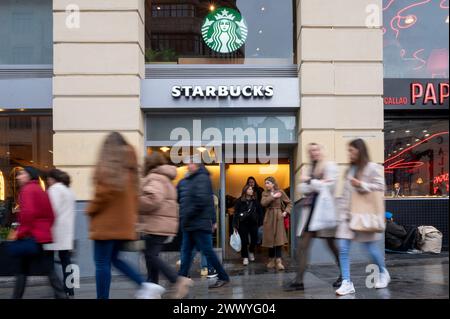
(417, 140)
(410, 19)
(21, 110)
(158, 8)
(426, 135)
(263, 9)
(400, 149)
(407, 131)
(425, 131)
(212, 7)
(201, 149)
(260, 31)
(392, 131)
(164, 149)
(2, 110)
(408, 144)
(395, 152)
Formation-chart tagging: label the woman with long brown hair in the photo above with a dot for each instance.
(278, 206)
(362, 198)
(247, 214)
(113, 212)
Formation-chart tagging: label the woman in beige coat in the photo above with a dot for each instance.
(278, 206)
(363, 177)
(158, 221)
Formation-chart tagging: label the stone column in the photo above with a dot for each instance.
(98, 68)
(340, 60)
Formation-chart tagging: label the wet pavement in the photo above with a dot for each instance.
(413, 277)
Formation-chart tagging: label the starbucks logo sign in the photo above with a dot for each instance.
(224, 30)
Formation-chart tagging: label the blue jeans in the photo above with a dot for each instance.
(203, 260)
(201, 240)
(344, 258)
(106, 253)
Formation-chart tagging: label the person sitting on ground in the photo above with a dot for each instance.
(397, 237)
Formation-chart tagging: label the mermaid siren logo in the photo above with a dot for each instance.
(224, 30)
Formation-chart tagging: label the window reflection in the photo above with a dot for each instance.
(174, 32)
(416, 158)
(24, 141)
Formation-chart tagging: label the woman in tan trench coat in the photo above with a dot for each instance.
(278, 206)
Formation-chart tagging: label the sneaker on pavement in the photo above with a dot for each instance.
(212, 273)
(204, 272)
(346, 288)
(383, 280)
(150, 290)
(219, 283)
(245, 261)
(251, 256)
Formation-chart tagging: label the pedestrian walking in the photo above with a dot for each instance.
(63, 204)
(318, 212)
(198, 220)
(361, 214)
(278, 206)
(158, 220)
(35, 219)
(113, 213)
(247, 214)
(258, 190)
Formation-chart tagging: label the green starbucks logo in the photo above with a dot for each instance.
(224, 30)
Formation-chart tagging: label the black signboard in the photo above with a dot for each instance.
(416, 94)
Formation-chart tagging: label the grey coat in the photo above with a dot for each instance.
(372, 180)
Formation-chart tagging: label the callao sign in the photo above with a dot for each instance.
(222, 91)
(416, 94)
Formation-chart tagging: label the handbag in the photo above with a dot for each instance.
(286, 221)
(23, 247)
(367, 212)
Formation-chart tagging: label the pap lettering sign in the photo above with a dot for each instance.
(423, 94)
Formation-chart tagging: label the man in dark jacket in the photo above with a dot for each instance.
(198, 220)
(397, 237)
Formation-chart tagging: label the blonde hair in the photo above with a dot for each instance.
(116, 161)
(320, 166)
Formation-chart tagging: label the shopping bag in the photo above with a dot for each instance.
(235, 241)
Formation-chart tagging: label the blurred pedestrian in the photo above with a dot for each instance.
(63, 204)
(318, 216)
(113, 213)
(247, 214)
(198, 220)
(35, 220)
(362, 178)
(278, 206)
(158, 219)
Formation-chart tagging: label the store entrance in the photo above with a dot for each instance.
(236, 176)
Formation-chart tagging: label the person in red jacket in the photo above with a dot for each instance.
(35, 220)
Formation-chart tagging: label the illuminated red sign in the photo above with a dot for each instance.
(429, 93)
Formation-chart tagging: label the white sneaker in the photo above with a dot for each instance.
(245, 261)
(251, 256)
(383, 280)
(346, 288)
(150, 290)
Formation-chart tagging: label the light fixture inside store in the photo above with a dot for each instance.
(392, 131)
(21, 110)
(419, 180)
(158, 8)
(2, 110)
(426, 135)
(410, 19)
(263, 8)
(201, 149)
(407, 131)
(165, 149)
(408, 144)
(417, 139)
(395, 152)
(425, 131)
(400, 149)
(260, 31)
(212, 7)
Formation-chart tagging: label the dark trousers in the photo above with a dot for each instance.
(153, 246)
(202, 241)
(24, 270)
(64, 257)
(106, 252)
(303, 251)
(245, 229)
(275, 252)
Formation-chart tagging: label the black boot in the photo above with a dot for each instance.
(19, 286)
(57, 286)
(338, 282)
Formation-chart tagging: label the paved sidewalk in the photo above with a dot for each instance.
(413, 277)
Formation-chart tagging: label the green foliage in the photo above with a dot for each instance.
(166, 55)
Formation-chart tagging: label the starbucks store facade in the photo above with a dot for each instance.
(245, 83)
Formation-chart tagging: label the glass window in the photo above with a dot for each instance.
(416, 153)
(415, 39)
(236, 31)
(25, 140)
(26, 32)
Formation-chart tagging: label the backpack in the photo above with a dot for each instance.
(430, 239)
